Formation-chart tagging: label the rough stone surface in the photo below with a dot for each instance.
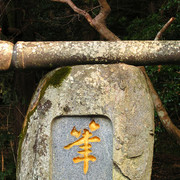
(118, 92)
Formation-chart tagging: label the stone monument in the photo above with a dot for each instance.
(88, 122)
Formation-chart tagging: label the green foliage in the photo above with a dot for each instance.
(166, 81)
(144, 29)
(170, 4)
(7, 93)
(9, 165)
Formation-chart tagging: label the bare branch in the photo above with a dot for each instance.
(91, 9)
(162, 113)
(98, 22)
(76, 9)
(104, 31)
(12, 149)
(159, 34)
(2, 161)
(104, 12)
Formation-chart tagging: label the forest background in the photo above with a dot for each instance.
(44, 20)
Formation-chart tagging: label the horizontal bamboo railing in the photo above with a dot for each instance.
(49, 54)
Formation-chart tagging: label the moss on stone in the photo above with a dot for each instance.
(53, 78)
(56, 79)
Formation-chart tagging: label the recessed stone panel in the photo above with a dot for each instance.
(66, 130)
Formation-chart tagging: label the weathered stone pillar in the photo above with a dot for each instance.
(89, 122)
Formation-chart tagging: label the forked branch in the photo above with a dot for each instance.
(76, 9)
(104, 12)
(98, 22)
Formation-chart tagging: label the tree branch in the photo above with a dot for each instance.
(98, 22)
(161, 111)
(76, 9)
(159, 34)
(104, 12)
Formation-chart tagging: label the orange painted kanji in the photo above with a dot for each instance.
(85, 144)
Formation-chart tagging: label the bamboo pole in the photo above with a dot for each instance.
(54, 54)
(6, 51)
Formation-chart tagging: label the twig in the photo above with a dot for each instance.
(64, 17)
(12, 149)
(76, 9)
(93, 8)
(71, 20)
(159, 34)
(2, 160)
(7, 123)
(20, 112)
(4, 9)
(73, 15)
(20, 31)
